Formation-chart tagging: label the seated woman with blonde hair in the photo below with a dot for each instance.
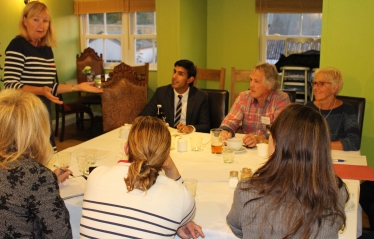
(135, 198)
(296, 194)
(340, 116)
(31, 206)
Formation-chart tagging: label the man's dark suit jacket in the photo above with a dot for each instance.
(197, 107)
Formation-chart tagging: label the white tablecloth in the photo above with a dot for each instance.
(214, 197)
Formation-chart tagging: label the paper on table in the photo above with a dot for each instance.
(354, 172)
(73, 187)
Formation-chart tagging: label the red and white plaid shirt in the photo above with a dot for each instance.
(247, 113)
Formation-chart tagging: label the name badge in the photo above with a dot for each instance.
(265, 120)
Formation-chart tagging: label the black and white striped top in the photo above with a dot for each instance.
(26, 64)
(109, 211)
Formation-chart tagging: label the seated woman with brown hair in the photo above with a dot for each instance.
(296, 194)
(143, 197)
(31, 206)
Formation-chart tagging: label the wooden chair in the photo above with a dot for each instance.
(238, 76)
(141, 72)
(76, 108)
(124, 96)
(218, 106)
(89, 58)
(211, 75)
(297, 76)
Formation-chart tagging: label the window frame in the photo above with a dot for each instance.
(127, 39)
(264, 37)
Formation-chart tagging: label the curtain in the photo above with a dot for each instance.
(288, 6)
(101, 6)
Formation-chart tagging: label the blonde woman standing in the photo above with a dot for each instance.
(29, 60)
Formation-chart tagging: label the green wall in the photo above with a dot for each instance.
(233, 37)
(181, 34)
(347, 43)
(11, 11)
(65, 24)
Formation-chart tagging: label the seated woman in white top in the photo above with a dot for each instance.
(296, 194)
(143, 197)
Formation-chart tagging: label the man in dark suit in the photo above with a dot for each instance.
(185, 107)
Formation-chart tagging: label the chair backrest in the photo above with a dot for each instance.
(218, 106)
(297, 45)
(291, 92)
(238, 76)
(317, 45)
(141, 72)
(359, 104)
(124, 96)
(89, 58)
(211, 75)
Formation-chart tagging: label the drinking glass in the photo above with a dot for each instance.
(196, 143)
(228, 155)
(91, 76)
(121, 155)
(64, 159)
(216, 141)
(191, 185)
(83, 163)
(91, 155)
(260, 137)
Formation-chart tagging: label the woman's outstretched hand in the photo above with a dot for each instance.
(89, 87)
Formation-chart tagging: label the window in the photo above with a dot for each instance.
(275, 28)
(121, 37)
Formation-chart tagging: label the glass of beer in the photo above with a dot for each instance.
(216, 141)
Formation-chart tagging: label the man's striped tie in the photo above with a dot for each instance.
(178, 111)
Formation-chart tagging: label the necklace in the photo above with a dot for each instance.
(319, 109)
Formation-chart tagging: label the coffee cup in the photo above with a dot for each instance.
(234, 143)
(262, 150)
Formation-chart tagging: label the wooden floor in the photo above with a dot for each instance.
(72, 137)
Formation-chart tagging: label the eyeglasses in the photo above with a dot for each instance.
(319, 83)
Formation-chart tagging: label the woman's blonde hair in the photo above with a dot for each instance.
(149, 146)
(32, 9)
(331, 74)
(25, 128)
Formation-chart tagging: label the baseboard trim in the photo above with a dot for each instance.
(70, 119)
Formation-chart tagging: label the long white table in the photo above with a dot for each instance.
(214, 197)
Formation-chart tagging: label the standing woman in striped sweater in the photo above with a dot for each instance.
(29, 61)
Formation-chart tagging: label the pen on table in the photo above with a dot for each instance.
(62, 170)
(339, 160)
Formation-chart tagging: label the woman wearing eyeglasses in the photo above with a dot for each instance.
(340, 116)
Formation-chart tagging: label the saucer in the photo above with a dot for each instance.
(241, 150)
